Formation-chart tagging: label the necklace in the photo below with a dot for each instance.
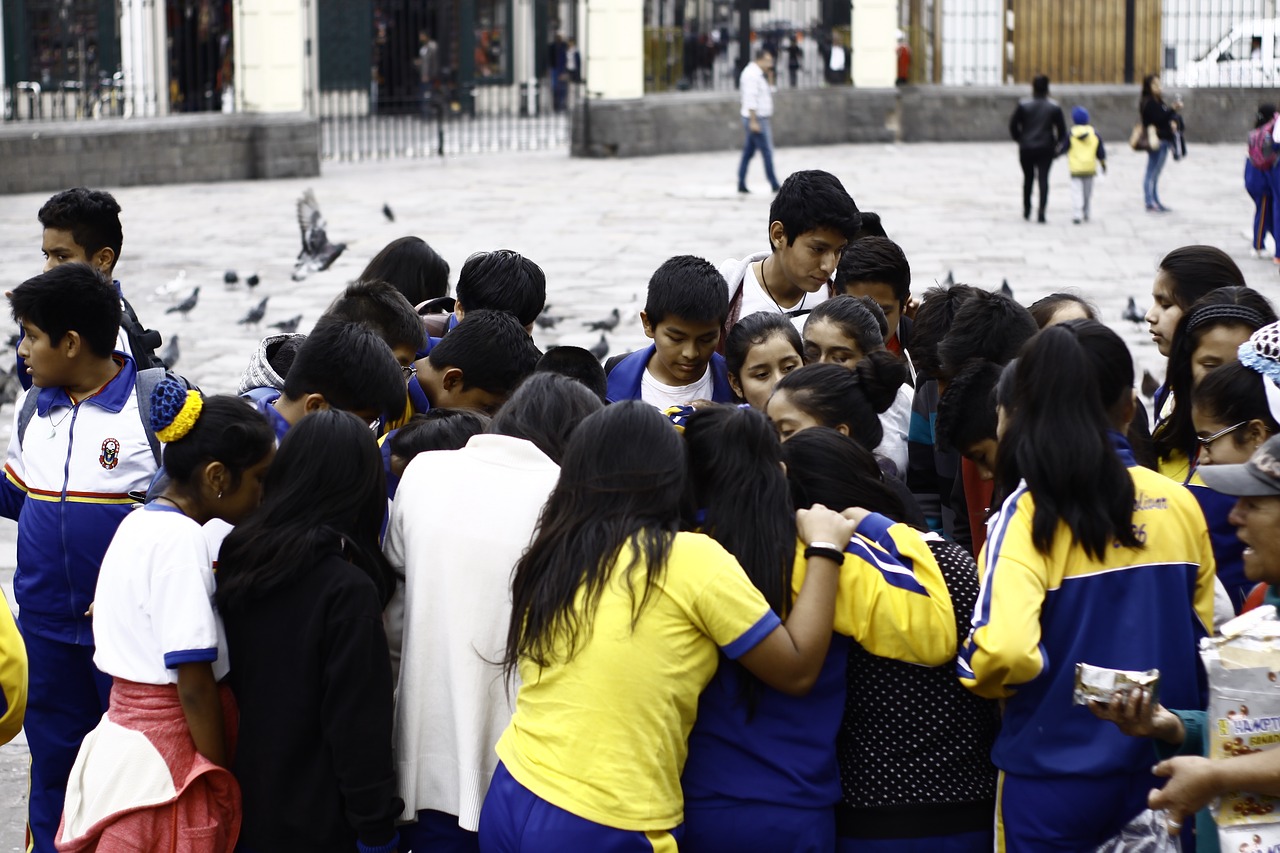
(53, 425)
(798, 309)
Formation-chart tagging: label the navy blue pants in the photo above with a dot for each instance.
(66, 698)
(437, 832)
(515, 820)
(758, 828)
(1066, 813)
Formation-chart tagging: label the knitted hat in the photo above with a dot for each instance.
(174, 409)
(1079, 115)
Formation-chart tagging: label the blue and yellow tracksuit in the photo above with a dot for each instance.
(67, 482)
(1068, 780)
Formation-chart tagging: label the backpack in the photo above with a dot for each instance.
(143, 342)
(146, 382)
(1262, 153)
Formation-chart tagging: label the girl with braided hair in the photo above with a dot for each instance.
(153, 774)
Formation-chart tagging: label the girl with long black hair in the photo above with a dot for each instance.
(761, 774)
(617, 624)
(1089, 559)
(301, 587)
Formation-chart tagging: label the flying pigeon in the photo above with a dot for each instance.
(173, 287)
(600, 348)
(1006, 289)
(317, 254)
(386, 211)
(288, 326)
(230, 277)
(255, 315)
(184, 307)
(1149, 385)
(1131, 312)
(606, 325)
(169, 354)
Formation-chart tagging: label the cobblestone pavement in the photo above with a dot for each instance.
(600, 227)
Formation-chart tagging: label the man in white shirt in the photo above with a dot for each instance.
(755, 85)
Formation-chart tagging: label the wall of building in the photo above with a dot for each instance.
(709, 121)
(178, 149)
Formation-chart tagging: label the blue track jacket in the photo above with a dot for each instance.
(624, 379)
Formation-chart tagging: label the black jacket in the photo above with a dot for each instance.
(312, 676)
(1038, 125)
(1161, 115)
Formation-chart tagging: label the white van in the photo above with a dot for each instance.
(1249, 55)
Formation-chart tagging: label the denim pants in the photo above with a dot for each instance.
(1155, 163)
(762, 141)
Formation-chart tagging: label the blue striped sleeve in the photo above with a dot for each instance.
(172, 660)
(896, 569)
(752, 636)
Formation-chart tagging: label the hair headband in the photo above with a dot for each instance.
(174, 409)
(1225, 312)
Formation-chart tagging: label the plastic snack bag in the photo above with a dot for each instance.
(1146, 833)
(1244, 717)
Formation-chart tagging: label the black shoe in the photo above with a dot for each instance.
(1075, 222)
(743, 189)
(1026, 213)
(1040, 218)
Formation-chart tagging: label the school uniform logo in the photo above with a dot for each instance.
(110, 457)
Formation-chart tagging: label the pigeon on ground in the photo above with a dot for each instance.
(255, 315)
(230, 277)
(288, 326)
(252, 280)
(386, 211)
(1131, 312)
(950, 280)
(1149, 385)
(317, 254)
(1006, 289)
(546, 321)
(184, 307)
(606, 325)
(600, 348)
(169, 354)
(178, 284)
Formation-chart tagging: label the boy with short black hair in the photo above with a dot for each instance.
(967, 416)
(501, 280)
(576, 363)
(811, 221)
(478, 364)
(340, 365)
(81, 451)
(684, 312)
(81, 225)
(878, 268)
(988, 326)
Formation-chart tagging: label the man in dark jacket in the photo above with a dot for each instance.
(1040, 130)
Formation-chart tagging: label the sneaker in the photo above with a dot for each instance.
(743, 189)
(1160, 208)
(1255, 254)
(1275, 260)
(1040, 219)
(1075, 222)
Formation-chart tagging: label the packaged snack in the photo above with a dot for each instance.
(1244, 717)
(1098, 684)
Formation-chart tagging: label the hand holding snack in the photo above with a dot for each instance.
(1134, 712)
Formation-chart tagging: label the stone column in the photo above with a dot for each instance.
(144, 57)
(271, 38)
(611, 42)
(875, 37)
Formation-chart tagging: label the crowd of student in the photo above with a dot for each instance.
(811, 572)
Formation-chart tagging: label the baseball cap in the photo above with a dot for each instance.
(1259, 477)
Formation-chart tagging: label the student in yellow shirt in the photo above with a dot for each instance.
(618, 622)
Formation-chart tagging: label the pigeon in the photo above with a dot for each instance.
(1005, 289)
(184, 307)
(173, 287)
(288, 326)
(230, 277)
(1149, 385)
(600, 348)
(950, 280)
(386, 211)
(1131, 312)
(169, 354)
(606, 325)
(10, 387)
(255, 315)
(317, 254)
(252, 280)
(546, 321)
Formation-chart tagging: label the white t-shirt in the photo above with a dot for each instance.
(665, 396)
(153, 608)
(754, 298)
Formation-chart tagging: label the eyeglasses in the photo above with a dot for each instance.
(409, 371)
(374, 424)
(1210, 439)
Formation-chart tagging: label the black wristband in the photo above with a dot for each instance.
(831, 554)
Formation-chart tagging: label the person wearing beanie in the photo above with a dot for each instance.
(1040, 130)
(1085, 153)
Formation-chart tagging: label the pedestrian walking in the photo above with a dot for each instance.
(1259, 179)
(1040, 130)
(1156, 113)
(1085, 153)
(756, 87)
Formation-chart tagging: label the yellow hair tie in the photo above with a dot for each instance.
(184, 420)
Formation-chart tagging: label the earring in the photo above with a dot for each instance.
(219, 495)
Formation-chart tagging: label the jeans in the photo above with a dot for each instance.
(1035, 167)
(762, 141)
(1155, 162)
